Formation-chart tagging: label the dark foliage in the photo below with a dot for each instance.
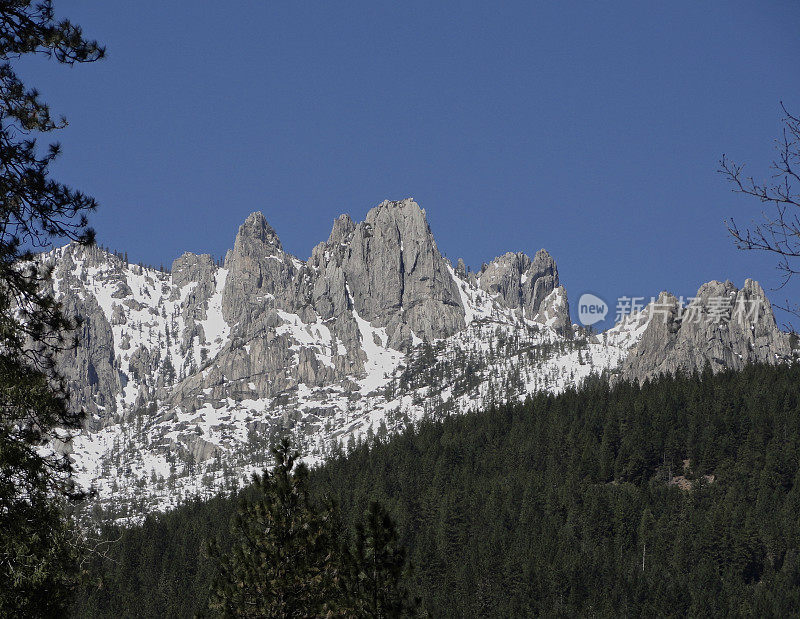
(36, 553)
(288, 557)
(679, 497)
(284, 560)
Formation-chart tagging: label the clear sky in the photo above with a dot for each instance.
(592, 129)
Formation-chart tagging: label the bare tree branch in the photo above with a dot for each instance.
(778, 230)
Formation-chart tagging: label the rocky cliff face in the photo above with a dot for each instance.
(520, 281)
(722, 326)
(397, 277)
(188, 375)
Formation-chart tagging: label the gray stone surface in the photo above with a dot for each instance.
(260, 273)
(202, 367)
(397, 278)
(723, 326)
(90, 369)
(524, 283)
(282, 322)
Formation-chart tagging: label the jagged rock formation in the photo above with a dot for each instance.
(91, 369)
(722, 326)
(529, 285)
(520, 281)
(188, 375)
(260, 272)
(397, 277)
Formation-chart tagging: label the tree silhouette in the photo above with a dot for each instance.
(34, 416)
(778, 232)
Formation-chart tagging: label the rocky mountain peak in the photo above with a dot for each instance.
(397, 277)
(543, 263)
(257, 270)
(205, 364)
(522, 282)
(254, 231)
(722, 325)
(343, 227)
(406, 214)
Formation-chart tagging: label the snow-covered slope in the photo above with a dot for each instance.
(188, 376)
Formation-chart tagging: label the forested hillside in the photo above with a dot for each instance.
(678, 497)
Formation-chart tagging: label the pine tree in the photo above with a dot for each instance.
(36, 566)
(284, 561)
(380, 563)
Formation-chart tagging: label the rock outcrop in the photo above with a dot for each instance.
(525, 284)
(201, 368)
(260, 273)
(395, 275)
(91, 370)
(722, 326)
(266, 322)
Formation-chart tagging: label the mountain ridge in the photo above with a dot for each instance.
(188, 375)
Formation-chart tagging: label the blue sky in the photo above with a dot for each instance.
(591, 129)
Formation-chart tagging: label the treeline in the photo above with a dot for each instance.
(679, 497)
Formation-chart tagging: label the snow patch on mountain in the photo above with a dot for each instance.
(214, 326)
(191, 376)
